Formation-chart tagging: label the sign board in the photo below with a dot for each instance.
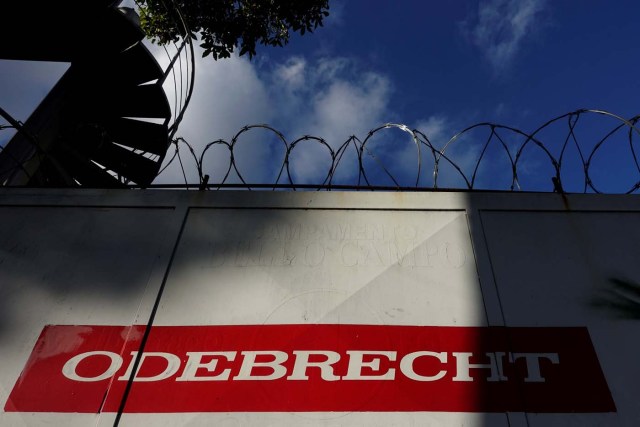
(312, 368)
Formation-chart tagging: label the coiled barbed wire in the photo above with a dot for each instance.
(483, 156)
(465, 161)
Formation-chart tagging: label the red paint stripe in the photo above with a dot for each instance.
(574, 384)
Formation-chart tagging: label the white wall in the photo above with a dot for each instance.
(177, 258)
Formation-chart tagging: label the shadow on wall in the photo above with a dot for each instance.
(621, 298)
(81, 264)
(560, 268)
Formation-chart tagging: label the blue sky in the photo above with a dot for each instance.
(434, 66)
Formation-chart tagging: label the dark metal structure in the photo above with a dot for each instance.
(106, 122)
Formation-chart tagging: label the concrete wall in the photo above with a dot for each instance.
(506, 268)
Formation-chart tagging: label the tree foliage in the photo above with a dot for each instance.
(223, 25)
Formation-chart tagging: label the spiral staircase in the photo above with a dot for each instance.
(106, 122)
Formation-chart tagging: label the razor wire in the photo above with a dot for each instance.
(575, 157)
(570, 154)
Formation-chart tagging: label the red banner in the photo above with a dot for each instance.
(302, 368)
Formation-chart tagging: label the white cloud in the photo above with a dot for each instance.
(501, 26)
(347, 107)
(437, 128)
(331, 98)
(228, 95)
(341, 101)
(291, 74)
